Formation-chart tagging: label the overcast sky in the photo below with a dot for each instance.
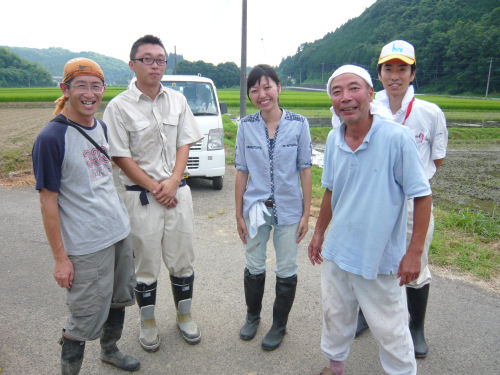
(208, 30)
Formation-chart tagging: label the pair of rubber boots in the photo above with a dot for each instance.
(254, 291)
(417, 306)
(182, 290)
(72, 351)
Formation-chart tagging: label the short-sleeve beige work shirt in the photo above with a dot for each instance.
(150, 131)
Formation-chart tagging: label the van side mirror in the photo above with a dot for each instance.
(223, 108)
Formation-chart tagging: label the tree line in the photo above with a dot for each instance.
(17, 72)
(455, 42)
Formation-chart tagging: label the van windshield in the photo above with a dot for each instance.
(200, 96)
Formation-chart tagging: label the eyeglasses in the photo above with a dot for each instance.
(150, 60)
(96, 88)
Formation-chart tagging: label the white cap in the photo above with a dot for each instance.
(398, 49)
(353, 69)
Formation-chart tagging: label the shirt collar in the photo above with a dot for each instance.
(373, 129)
(136, 93)
(384, 98)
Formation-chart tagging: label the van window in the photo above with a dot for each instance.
(200, 96)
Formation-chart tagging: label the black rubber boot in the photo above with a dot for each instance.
(71, 356)
(111, 333)
(182, 290)
(417, 306)
(362, 324)
(146, 298)
(285, 294)
(254, 291)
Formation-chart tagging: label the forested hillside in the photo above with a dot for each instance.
(53, 59)
(455, 41)
(17, 72)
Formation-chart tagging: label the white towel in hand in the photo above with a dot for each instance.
(256, 216)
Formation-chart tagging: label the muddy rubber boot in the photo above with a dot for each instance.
(285, 294)
(146, 298)
(182, 290)
(417, 306)
(254, 291)
(362, 324)
(71, 356)
(111, 333)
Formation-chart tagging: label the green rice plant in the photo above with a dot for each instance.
(463, 104)
(473, 133)
(45, 94)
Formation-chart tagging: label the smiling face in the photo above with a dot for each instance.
(264, 94)
(351, 98)
(148, 75)
(396, 76)
(84, 95)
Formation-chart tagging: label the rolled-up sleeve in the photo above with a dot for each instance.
(440, 139)
(118, 135)
(239, 151)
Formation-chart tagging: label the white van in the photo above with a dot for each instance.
(207, 158)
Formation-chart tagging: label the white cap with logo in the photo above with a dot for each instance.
(400, 50)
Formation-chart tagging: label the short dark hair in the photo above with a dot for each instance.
(146, 39)
(259, 71)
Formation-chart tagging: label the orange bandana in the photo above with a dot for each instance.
(79, 66)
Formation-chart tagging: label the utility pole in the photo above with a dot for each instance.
(322, 70)
(243, 68)
(489, 74)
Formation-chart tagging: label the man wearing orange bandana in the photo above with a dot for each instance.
(85, 220)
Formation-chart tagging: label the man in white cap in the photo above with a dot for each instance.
(396, 70)
(367, 182)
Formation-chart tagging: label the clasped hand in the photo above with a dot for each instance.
(165, 193)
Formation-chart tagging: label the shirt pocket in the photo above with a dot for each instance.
(287, 154)
(143, 138)
(169, 130)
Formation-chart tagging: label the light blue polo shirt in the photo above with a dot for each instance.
(370, 187)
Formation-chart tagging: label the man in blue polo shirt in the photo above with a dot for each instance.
(371, 168)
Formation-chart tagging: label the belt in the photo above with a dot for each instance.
(143, 197)
(268, 203)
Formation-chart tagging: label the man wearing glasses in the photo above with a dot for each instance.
(151, 130)
(85, 220)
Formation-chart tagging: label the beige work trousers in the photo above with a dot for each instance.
(158, 232)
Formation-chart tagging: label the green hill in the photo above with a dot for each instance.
(17, 72)
(455, 40)
(53, 59)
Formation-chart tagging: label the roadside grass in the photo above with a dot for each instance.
(465, 240)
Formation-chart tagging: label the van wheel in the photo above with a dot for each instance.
(217, 182)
